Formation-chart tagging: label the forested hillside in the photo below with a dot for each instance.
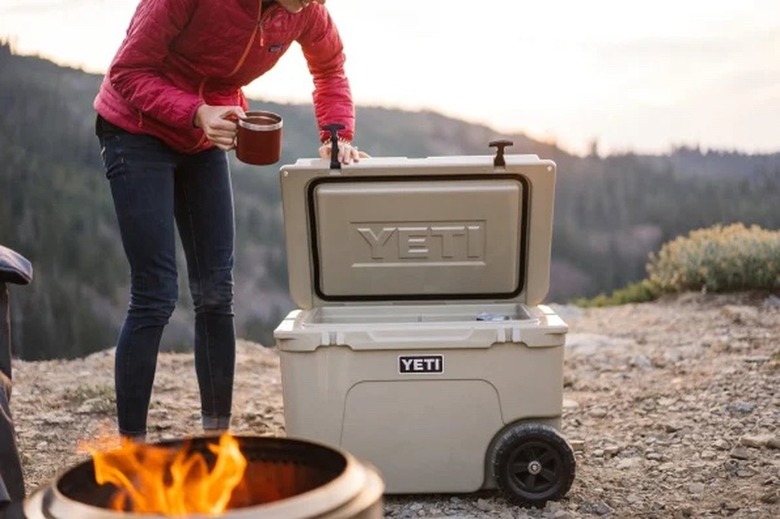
(55, 208)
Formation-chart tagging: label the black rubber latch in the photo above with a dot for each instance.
(334, 143)
(499, 161)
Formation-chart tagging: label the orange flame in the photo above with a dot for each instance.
(171, 482)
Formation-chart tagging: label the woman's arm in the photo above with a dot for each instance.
(324, 53)
(135, 71)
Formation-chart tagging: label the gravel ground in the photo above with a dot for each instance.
(672, 407)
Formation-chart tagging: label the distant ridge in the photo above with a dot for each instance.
(610, 212)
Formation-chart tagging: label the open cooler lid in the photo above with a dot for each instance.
(436, 229)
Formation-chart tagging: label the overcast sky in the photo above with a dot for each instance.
(635, 76)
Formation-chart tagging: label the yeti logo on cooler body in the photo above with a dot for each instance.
(410, 364)
(461, 241)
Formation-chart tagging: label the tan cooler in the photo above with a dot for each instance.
(420, 344)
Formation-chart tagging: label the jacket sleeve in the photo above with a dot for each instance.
(324, 53)
(135, 72)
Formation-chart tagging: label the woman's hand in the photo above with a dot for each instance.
(219, 123)
(347, 152)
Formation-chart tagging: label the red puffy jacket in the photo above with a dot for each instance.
(179, 54)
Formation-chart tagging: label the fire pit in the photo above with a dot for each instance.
(284, 479)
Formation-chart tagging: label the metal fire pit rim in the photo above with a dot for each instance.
(50, 502)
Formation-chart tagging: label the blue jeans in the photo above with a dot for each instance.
(154, 186)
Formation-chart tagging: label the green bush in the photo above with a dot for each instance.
(718, 259)
(639, 292)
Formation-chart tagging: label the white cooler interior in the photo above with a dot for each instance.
(415, 314)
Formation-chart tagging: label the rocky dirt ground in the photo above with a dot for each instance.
(672, 407)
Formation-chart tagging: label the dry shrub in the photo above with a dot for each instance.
(718, 259)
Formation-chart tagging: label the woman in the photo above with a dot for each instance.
(167, 111)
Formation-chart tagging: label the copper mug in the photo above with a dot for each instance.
(259, 138)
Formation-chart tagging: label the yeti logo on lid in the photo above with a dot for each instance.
(413, 364)
(425, 242)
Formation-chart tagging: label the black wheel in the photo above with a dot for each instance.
(533, 464)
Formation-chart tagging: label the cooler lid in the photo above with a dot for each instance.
(400, 230)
